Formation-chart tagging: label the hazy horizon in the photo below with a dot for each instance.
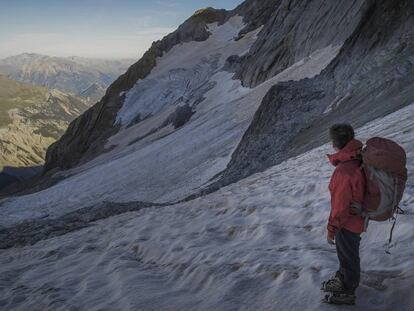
(106, 29)
(68, 56)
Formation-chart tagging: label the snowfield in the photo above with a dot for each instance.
(258, 244)
(169, 164)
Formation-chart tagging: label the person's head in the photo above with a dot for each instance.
(340, 134)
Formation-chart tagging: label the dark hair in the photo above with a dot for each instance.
(341, 134)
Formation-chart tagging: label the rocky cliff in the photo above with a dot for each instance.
(371, 76)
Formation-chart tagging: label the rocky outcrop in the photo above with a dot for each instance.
(255, 13)
(233, 63)
(180, 116)
(86, 135)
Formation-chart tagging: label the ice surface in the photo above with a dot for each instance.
(258, 244)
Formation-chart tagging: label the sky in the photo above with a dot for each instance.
(92, 28)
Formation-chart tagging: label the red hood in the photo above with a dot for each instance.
(347, 153)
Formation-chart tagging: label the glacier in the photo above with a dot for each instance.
(170, 163)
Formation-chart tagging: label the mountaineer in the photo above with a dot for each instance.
(368, 183)
(344, 229)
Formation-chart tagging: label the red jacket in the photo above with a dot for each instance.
(347, 183)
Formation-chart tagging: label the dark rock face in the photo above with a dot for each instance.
(233, 63)
(180, 116)
(10, 175)
(287, 109)
(6, 179)
(295, 30)
(87, 134)
(256, 13)
(371, 77)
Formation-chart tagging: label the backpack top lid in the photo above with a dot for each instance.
(386, 155)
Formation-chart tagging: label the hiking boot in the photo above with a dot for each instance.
(335, 285)
(339, 298)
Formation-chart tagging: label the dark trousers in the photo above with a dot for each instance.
(347, 249)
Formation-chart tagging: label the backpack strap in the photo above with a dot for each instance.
(388, 245)
(366, 220)
(394, 217)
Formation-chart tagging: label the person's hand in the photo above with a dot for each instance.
(355, 208)
(330, 238)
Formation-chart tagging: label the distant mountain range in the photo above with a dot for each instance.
(80, 76)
